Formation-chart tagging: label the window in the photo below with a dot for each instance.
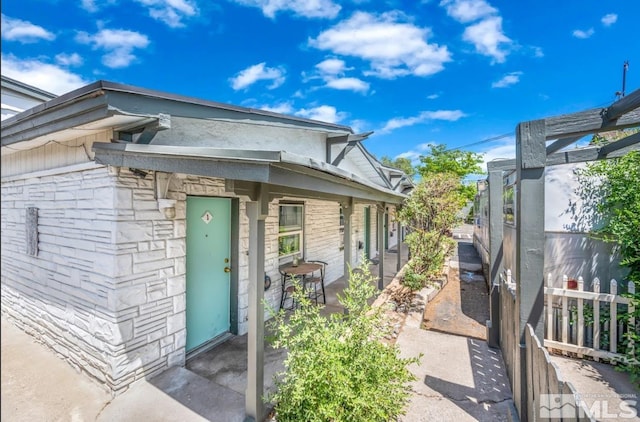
(290, 230)
(341, 228)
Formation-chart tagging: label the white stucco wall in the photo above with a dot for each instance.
(239, 136)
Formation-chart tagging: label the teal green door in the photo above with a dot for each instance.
(208, 266)
(367, 232)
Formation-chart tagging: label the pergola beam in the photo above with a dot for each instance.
(623, 106)
(561, 143)
(612, 150)
(620, 115)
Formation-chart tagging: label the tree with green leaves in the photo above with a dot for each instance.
(430, 213)
(457, 163)
(610, 194)
(400, 163)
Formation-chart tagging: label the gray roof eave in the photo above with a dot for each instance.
(273, 167)
(102, 99)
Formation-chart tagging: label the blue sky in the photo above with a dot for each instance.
(454, 72)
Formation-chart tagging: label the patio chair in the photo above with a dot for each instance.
(315, 283)
(288, 288)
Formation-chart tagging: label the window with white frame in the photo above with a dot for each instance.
(290, 230)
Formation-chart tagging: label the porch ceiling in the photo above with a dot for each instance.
(285, 173)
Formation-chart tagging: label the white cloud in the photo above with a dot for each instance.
(394, 48)
(609, 19)
(433, 96)
(507, 80)
(505, 149)
(488, 38)
(42, 75)
(579, 33)
(447, 115)
(304, 8)
(332, 66)
(89, 5)
(73, 59)
(537, 51)
(92, 6)
(348, 84)
(281, 108)
(118, 44)
(415, 154)
(322, 113)
(466, 11)
(23, 31)
(255, 73)
(331, 71)
(171, 12)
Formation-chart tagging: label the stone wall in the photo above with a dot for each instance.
(106, 290)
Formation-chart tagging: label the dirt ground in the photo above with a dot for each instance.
(462, 307)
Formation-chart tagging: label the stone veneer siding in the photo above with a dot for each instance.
(107, 288)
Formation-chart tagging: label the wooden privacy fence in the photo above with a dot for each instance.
(549, 397)
(586, 322)
(509, 338)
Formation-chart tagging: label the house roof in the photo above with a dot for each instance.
(26, 90)
(106, 105)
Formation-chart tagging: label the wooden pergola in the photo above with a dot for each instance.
(533, 155)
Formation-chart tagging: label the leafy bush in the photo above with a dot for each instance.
(413, 280)
(631, 341)
(608, 188)
(337, 367)
(430, 213)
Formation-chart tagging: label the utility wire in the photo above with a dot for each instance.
(494, 138)
(506, 135)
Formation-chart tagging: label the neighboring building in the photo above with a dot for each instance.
(18, 97)
(134, 221)
(569, 250)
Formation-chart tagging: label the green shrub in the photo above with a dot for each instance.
(412, 279)
(337, 367)
(430, 213)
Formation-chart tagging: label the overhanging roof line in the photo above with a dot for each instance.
(375, 165)
(205, 153)
(276, 167)
(347, 148)
(350, 137)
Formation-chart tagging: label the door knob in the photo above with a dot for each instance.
(227, 269)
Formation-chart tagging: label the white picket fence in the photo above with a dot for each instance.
(569, 328)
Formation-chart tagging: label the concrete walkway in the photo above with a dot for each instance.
(458, 378)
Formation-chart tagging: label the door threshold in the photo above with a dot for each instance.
(205, 347)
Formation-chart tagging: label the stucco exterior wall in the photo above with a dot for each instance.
(235, 135)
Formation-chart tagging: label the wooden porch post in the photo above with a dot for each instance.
(257, 212)
(380, 233)
(495, 253)
(531, 159)
(347, 212)
(399, 248)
